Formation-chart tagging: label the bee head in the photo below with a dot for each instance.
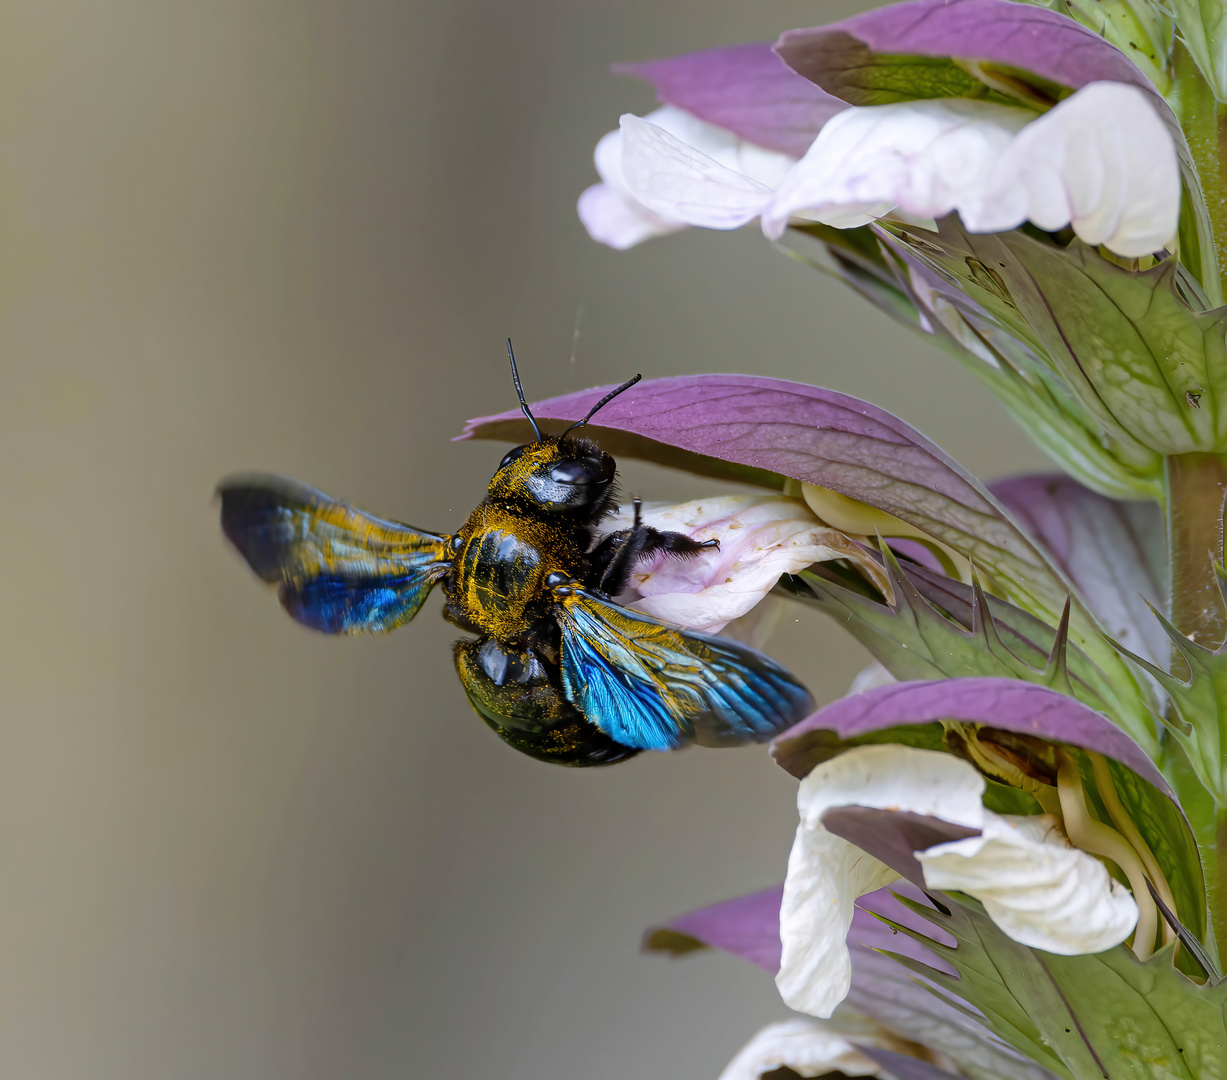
(557, 473)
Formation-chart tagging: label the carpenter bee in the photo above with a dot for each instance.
(559, 670)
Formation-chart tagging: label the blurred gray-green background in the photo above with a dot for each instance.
(293, 236)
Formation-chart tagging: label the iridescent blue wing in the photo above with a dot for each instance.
(655, 686)
(336, 569)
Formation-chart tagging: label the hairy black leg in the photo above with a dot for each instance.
(611, 562)
(457, 618)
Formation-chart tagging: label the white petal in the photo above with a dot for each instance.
(812, 1048)
(617, 220)
(756, 627)
(721, 145)
(922, 157)
(609, 212)
(710, 140)
(1034, 885)
(1101, 160)
(607, 157)
(614, 216)
(761, 538)
(826, 874)
(870, 678)
(673, 179)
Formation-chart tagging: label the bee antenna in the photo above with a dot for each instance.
(515, 378)
(601, 404)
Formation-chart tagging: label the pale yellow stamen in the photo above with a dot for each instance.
(1049, 800)
(1121, 819)
(858, 518)
(1091, 835)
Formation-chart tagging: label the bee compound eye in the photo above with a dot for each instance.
(571, 472)
(511, 456)
(592, 469)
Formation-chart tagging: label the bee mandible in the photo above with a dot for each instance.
(559, 669)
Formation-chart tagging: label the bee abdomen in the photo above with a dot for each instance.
(518, 694)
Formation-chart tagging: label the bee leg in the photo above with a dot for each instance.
(615, 557)
(457, 618)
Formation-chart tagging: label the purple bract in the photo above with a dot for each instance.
(746, 89)
(1008, 704)
(1034, 39)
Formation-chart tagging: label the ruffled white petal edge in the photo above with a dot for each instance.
(768, 167)
(826, 874)
(1034, 885)
(812, 1048)
(921, 157)
(612, 213)
(609, 212)
(618, 221)
(1102, 161)
(678, 181)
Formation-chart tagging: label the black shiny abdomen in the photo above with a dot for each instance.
(518, 694)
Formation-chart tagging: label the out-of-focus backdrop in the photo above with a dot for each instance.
(293, 236)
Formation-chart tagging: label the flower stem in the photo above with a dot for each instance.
(1204, 121)
(1211, 833)
(1196, 484)
(1214, 865)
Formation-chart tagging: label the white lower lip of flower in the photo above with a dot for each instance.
(674, 179)
(826, 874)
(920, 156)
(813, 1048)
(870, 677)
(768, 167)
(1101, 161)
(617, 221)
(610, 213)
(1033, 884)
(614, 216)
(761, 539)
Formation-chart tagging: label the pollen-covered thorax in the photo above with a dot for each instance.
(502, 560)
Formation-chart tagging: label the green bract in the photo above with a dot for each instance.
(1082, 1017)
(935, 284)
(1201, 26)
(1133, 345)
